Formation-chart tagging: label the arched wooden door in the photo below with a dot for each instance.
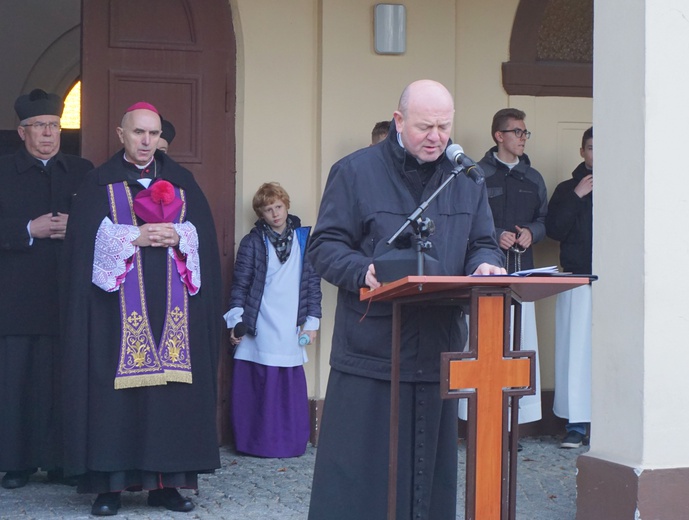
(180, 56)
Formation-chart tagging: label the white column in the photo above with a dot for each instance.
(640, 308)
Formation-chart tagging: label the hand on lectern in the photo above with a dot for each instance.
(371, 279)
(485, 268)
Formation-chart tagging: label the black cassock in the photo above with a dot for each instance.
(137, 437)
(29, 308)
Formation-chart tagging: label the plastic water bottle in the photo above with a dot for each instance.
(304, 339)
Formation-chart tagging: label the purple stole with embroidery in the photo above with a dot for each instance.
(141, 361)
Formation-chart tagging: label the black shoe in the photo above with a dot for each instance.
(574, 439)
(170, 499)
(16, 479)
(106, 504)
(519, 446)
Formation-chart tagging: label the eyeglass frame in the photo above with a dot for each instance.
(42, 125)
(518, 132)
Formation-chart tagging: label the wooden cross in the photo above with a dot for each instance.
(493, 374)
(500, 377)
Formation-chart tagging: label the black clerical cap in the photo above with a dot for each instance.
(168, 130)
(38, 103)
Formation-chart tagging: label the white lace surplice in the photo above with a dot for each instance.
(113, 254)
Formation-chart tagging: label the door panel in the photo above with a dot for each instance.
(178, 55)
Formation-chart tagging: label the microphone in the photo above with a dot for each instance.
(240, 329)
(456, 155)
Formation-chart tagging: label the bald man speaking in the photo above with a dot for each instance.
(368, 195)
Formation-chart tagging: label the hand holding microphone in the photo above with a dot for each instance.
(455, 153)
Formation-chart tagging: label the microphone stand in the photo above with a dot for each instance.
(423, 228)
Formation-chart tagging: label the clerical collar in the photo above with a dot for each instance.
(148, 171)
(124, 156)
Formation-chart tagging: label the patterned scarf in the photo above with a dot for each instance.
(282, 242)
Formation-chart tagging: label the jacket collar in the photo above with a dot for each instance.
(296, 223)
(403, 159)
(25, 161)
(580, 172)
(519, 171)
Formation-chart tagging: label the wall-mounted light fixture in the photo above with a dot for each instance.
(390, 28)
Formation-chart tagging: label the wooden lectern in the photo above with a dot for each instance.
(491, 375)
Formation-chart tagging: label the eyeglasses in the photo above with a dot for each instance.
(518, 133)
(41, 126)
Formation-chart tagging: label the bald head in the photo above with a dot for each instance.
(424, 119)
(139, 134)
(423, 89)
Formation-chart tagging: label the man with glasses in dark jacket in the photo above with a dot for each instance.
(519, 202)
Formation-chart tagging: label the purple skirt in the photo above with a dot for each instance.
(270, 410)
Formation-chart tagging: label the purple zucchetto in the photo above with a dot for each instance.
(142, 105)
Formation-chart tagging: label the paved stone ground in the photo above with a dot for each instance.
(249, 488)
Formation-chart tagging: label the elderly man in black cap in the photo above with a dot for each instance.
(38, 184)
